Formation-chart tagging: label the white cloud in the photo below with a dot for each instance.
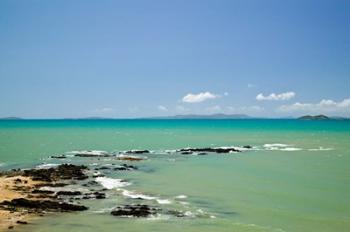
(324, 106)
(226, 94)
(200, 97)
(276, 97)
(162, 108)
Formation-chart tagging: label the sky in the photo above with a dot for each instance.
(134, 58)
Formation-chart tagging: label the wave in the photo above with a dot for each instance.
(46, 166)
(89, 153)
(181, 197)
(280, 147)
(110, 183)
(321, 149)
(163, 201)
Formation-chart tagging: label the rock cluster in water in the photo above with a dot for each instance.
(42, 190)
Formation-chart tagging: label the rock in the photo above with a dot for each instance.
(38, 191)
(134, 211)
(18, 181)
(202, 153)
(61, 172)
(130, 158)
(68, 193)
(247, 147)
(209, 149)
(21, 222)
(186, 153)
(43, 205)
(58, 157)
(137, 152)
(125, 167)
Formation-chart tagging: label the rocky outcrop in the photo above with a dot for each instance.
(61, 172)
(134, 211)
(41, 205)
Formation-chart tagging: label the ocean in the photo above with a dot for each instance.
(295, 178)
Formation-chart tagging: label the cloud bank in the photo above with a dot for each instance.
(324, 106)
(275, 97)
(200, 97)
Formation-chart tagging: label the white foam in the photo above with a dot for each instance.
(321, 149)
(133, 195)
(291, 149)
(131, 156)
(273, 145)
(92, 152)
(46, 166)
(110, 183)
(181, 197)
(69, 188)
(163, 201)
(280, 147)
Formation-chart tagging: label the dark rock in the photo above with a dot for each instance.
(58, 157)
(22, 222)
(247, 147)
(186, 153)
(10, 227)
(68, 193)
(61, 172)
(137, 152)
(18, 181)
(209, 149)
(43, 205)
(134, 211)
(38, 191)
(94, 195)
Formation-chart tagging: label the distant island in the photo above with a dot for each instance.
(316, 117)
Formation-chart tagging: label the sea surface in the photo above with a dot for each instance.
(295, 178)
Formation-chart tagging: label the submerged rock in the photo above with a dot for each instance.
(125, 167)
(134, 211)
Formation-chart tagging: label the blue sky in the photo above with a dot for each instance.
(147, 58)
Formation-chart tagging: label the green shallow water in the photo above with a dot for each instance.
(260, 190)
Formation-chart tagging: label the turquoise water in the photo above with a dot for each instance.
(304, 188)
